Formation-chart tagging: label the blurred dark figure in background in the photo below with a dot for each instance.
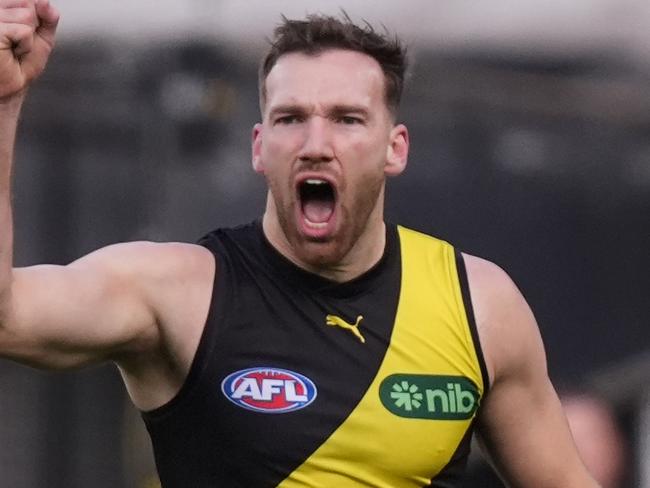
(598, 436)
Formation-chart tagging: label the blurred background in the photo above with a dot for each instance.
(530, 129)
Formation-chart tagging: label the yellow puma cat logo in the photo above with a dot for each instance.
(335, 321)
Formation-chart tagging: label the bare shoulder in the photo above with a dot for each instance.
(521, 417)
(156, 272)
(151, 257)
(174, 278)
(176, 281)
(134, 303)
(179, 280)
(488, 278)
(506, 326)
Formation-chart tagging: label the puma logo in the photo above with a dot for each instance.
(335, 321)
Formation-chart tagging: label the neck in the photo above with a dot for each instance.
(366, 251)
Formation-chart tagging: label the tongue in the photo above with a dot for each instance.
(318, 211)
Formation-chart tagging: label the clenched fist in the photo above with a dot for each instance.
(27, 31)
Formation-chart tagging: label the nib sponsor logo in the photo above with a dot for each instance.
(269, 390)
(429, 396)
(406, 396)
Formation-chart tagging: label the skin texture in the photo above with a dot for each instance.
(521, 423)
(325, 117)
(143, 305)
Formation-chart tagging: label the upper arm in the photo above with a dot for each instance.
(109, 304)
(521, 422)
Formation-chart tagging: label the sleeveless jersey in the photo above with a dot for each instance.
(302, 382)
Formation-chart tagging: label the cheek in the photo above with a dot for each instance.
(371, 145)
(283, 139)
(365, 159)
(277, 167)
(278, 150)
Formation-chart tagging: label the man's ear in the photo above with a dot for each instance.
(256, 145)
(397, 151)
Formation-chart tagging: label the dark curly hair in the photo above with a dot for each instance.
(318, 33)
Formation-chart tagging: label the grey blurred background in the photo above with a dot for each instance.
(530, 129)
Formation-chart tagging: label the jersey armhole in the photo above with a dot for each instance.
(203, 349)
(469, 313)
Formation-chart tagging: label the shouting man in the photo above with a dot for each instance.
(318, 346)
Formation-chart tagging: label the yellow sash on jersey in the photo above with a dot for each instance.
(431, 339)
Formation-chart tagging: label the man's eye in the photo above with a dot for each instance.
(349, 120)
(288, 119)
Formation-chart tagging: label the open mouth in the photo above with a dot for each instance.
(317, 200)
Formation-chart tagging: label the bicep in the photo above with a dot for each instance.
(524, 431)
(521, 421)
(67, 316)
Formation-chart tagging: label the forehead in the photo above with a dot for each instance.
(334, 76)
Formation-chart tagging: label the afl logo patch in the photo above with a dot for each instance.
(269, 390)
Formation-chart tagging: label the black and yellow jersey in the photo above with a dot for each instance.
(301, 382)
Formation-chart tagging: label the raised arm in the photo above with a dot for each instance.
(142, 305)
(521, 422)
(26, 40)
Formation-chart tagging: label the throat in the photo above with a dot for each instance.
(318, 211)
(317, 201)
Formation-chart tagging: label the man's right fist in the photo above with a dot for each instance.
(27, 31)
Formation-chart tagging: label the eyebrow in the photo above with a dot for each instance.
(286, 109)
(349, 109)
(338, 109)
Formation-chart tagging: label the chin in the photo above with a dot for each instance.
(321, 253)
(317, 251)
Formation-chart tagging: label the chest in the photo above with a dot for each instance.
(317, 385)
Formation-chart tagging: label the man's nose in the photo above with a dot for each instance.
(317, 143)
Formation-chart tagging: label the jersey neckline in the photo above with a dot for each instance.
(313, 283)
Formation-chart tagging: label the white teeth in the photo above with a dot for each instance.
(314, 181)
